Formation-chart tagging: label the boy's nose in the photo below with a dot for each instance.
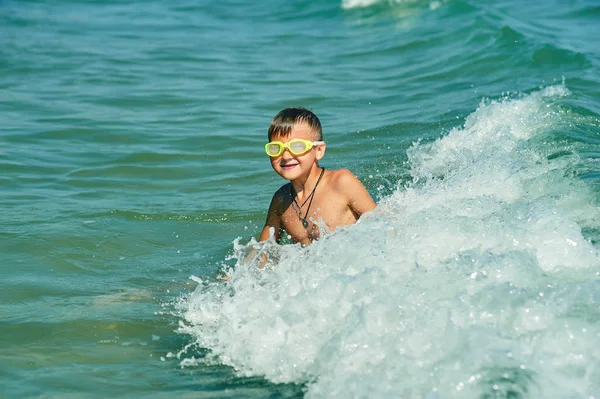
(287, 154)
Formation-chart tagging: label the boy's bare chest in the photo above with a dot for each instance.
(303, 224)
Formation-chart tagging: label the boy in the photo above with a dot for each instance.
(335, 197)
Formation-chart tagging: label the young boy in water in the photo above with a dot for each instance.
(335, 197)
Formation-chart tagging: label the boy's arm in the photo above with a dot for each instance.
(273, 220)
(359, 199)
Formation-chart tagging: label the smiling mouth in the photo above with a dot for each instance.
(289, 165)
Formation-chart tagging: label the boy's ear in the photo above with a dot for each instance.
(321, 150)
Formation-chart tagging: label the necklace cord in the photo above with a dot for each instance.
(310, 197)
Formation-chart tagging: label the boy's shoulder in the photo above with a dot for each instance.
(347, 185)
(283, 191)
(342, 180)
(341, 176)
(282, 197)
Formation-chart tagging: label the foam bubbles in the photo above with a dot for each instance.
(475, 280)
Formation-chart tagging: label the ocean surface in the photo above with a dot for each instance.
(132, 173)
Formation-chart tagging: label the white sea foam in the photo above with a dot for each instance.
(358, 3)
(350, 4)
(475, 280)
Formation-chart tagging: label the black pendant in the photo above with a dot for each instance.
(305, 223)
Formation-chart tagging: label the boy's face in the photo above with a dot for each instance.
(290, 166)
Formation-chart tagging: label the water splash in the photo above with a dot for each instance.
(474, 280)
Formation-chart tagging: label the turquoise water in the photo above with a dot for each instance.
(132, 158)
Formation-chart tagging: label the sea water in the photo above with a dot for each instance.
(133, 173)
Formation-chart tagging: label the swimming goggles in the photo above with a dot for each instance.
(295, 146)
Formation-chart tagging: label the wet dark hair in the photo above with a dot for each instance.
(285, 120)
